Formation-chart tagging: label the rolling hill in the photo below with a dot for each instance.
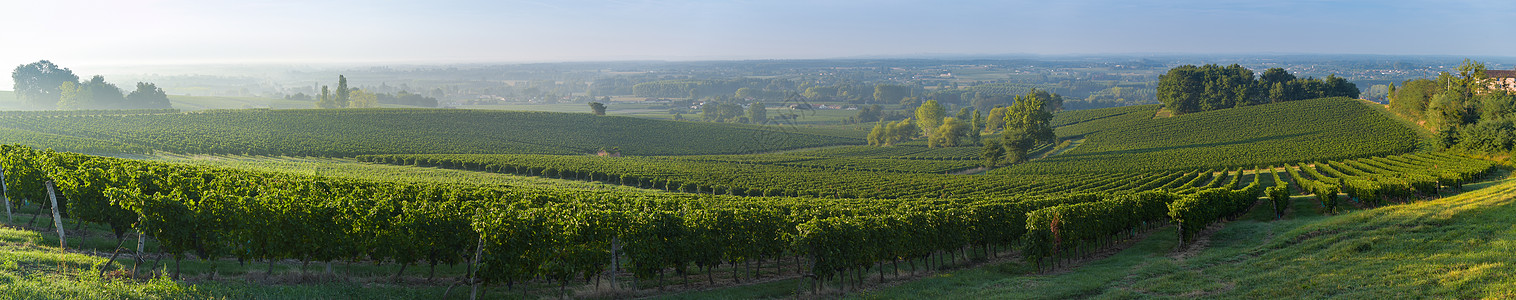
(1129, 139)
(375, 131)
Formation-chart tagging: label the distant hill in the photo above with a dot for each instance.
(1130, 139)
(352, 132)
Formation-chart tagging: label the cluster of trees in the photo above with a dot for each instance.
(1187, 89)
(1463, 108)
(932, 123)
(1026, 124)
(44, 85)
(345, 97)
(404, 98)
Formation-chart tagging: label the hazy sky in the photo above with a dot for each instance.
(76, 33)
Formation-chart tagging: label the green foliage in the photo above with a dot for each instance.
(369, 131)
(1188, 89)
(1194, 212)
(952, 133)
(1279, 194)
(1027, 124)
(1059, 230)
(37, 84)
(929, 116)
(597, 108)
(757, 113)
(1334, 128)
(887, 134)
(889, 93)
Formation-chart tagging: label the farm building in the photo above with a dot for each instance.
(1502, 79)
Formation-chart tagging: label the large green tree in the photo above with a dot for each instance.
(890, 93)
(343, 93)
(1027, 123)
(1187, 89)
(929, 116)
(757, 113)
(148, 95)
(326, 100)
(37, 84)
(104, 94)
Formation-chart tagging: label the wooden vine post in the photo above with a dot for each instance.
(615, 263)
(5, 191)
(473, 276)
(57, 220)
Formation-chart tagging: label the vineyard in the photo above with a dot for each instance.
(1279, 133)
(516, 235)
(411, 191)
(375, 131)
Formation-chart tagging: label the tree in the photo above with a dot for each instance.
(1471, 78)
(728, 111)
(326, 101)
(1449, 110)
(1413, 96)
(868, 113)
(745, 93)
(965, 113)
(597, 108)
(362, 99)
(996, 120)
(1181, 89)
(977, 127)
(104, 95)
(343, 94)
(1496, 105)
(709, 111)
(951, 133)
(992, 153)
(876, 136)
(148, 95)
(885, 134)
(890, 93)
(757, 113)
(1275, 75)
(1027, 124)
(929, 116)
(74, 96)
(1334, 86)
(37, 84)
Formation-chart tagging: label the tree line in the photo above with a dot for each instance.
(1187, 89)
(1463, 108)
(44, 85)
(1026, 124)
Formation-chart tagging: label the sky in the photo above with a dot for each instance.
(148, 32)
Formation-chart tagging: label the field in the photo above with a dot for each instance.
(1290, 132)
(373, 131)
(1232, 203)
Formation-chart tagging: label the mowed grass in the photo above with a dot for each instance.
(1456, 247)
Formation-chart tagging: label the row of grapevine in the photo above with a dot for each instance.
(520, 234)
(1278, 193)
(758, 178)
(1240, 137)
(1195, 212)
(371, 131)
(1065, 230)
